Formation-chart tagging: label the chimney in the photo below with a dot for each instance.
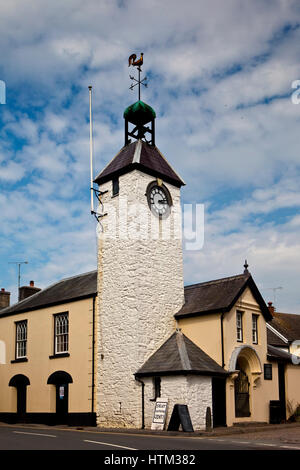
(4, 299)
(271, 308)
(27, 291)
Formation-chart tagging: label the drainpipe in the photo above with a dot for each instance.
(93, 357)
(222, 339)
(143, 401)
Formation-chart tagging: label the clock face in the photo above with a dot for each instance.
(159, 200)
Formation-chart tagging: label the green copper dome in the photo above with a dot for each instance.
(139, 113)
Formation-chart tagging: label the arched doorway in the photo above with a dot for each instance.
(246, 367)
(20, 382)
(61, 381)
(241, 393)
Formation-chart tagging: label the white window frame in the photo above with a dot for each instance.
(254, 328)
(61, 333)
(239, 326)
(21, 339)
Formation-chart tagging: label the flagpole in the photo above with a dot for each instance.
(91, 150)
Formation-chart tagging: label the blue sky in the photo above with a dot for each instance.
(220, 81)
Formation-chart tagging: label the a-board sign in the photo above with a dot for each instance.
(180, 416)
(160, 414)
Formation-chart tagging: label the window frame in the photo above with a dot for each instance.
(21, 340)
(268, 371)
(61, 334)
(239, 328)
(255, 330)
(115, 186)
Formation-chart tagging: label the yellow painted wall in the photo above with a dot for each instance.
(205, 332)
(40, 345)
(292, 387)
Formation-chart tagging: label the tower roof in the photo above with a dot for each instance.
(141, 156)
(139, 113)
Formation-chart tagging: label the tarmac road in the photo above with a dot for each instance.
(38, 437)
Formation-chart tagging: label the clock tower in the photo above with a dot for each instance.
(140, 268)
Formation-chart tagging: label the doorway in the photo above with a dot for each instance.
(20, 382)
(219, 401)
(241, 392)
(61, 381)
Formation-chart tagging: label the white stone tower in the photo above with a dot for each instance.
(140, 269)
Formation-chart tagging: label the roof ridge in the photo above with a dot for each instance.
(217, 281)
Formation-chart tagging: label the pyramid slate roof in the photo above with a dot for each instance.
(179, 355)
(142, 156)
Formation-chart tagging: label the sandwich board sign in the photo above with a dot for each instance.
(160, 414)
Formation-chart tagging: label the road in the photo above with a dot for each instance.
(30, 437)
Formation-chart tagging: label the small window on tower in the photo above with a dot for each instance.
(115, 186)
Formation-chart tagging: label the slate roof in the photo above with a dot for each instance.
(279, 354)
(219, 296)
(275, 340)
(66, 290)
(142, 156)
(287, 324)
(179, 355)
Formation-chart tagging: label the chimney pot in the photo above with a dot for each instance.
(271, 308)
(31, 283)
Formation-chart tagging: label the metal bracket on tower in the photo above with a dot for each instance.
(99, 216)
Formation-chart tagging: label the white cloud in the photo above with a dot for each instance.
(212, 69)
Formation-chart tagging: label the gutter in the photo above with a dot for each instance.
(222, 339)
(93, 356)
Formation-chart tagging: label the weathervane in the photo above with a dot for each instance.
(137, 63)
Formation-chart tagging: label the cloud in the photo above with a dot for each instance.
(220, 82)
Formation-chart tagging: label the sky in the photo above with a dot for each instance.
(220, 78)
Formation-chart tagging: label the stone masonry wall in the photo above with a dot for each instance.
(140, 285)
(192, 390)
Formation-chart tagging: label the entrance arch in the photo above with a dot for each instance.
(61, 380)
(20, 382)
(246, 364)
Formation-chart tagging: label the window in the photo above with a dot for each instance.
(61, 333)
(156, 388)
(239, 326)
(21, 339)
(254, 329)
(268, 371)
(115, 186)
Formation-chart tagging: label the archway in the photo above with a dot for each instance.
(20, 382)
(246, 364)
(61, 381)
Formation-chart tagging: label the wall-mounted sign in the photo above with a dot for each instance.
(61, 392)
(160, 414)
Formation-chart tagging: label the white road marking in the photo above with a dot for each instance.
(34, 434)
(112, 445)
(289, 447)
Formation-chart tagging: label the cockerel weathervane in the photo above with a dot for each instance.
(134, 62)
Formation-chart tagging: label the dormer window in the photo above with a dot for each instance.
(115, 186)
